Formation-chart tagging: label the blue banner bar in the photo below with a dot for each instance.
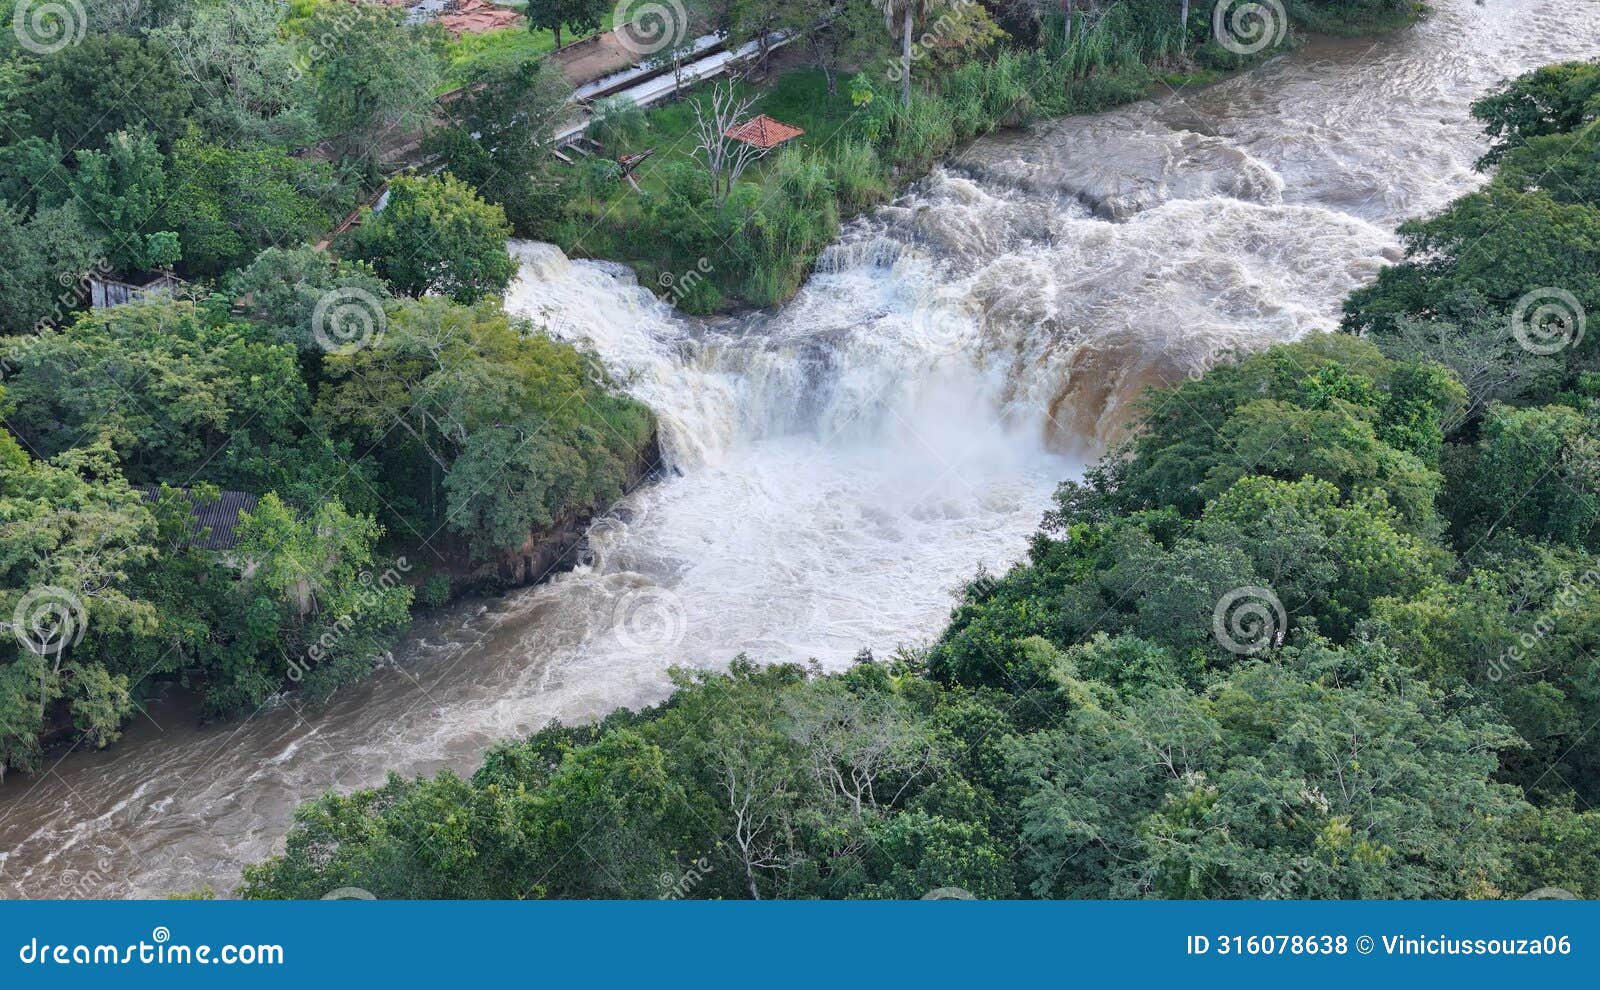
(811, 945)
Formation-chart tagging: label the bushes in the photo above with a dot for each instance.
(858, 176)
(866, 145)
(436, 235)
(505, 431)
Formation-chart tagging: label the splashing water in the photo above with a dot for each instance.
(840, 466)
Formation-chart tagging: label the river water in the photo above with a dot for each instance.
(838, 468)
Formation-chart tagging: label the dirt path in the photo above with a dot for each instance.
(594, 58)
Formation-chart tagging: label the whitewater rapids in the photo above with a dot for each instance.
(837, 468)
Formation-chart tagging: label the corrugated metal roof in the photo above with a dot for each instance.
(213, 522)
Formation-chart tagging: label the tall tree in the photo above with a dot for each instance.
(900, 18)
(374, 77)
(436, 235)
(582, 16)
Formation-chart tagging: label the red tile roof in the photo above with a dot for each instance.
(763, 132)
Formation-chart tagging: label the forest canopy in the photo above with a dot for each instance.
(1324, 626)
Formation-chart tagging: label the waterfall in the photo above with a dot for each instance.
(843, 463)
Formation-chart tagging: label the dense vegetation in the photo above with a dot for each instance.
(387, 419)
(358, 380)
(973, 67)
(1324, 627)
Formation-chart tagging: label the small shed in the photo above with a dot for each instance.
(763, 132)
(212, 524)
(107, 292)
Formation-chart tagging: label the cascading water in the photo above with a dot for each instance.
(842, 464)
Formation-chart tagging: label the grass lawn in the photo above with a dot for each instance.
(502, 46)
(799, 97)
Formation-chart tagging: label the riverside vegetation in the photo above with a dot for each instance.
(374, 397)
(1406, 514)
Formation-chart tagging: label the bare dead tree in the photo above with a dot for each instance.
(725, 159)
(855, 746)
(760, 822)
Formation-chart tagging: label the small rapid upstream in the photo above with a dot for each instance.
(842, 465)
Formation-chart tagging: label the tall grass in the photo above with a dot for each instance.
(763, 240)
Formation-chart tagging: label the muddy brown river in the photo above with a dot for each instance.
(844, 463)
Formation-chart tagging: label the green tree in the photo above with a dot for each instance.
(123, 190)
(373, 77)
(284, 287)
(1536, 471)
(506, 431)
(244, 65)
(84, 93)
(436, 235)
(498, 136)
(70, 530)
(227, 203)
(46, 256)
(178, 397)
(583, 17)
(1555, 99)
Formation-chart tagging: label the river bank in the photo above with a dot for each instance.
(861, 148)
(845, 462)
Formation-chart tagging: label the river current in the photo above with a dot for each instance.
(837, 468)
